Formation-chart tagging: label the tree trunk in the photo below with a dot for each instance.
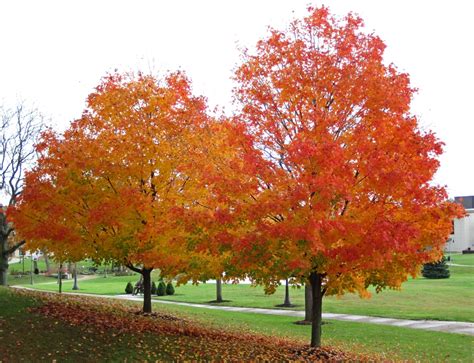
(60, 276)
(308, 302)
(3, 258)
(46, 261)
(146, 273)
(5, 250)
(69, 269)
(287, 301)
(75, 287)
(3, 270)
(316, 287)
(31, 270)
(219, 291)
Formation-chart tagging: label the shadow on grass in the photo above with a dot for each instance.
(286, 306)
(307, 322)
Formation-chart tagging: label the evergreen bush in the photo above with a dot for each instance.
(153, 288)
(129, 288)
(161, 289)
(169, 289)
(436, 270)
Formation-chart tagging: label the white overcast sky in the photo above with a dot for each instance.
(54, 52)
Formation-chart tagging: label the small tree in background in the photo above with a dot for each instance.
(129, 288)
(436, 270)
(169, 289)
(19, 130)
(153, 288)
(161, 289)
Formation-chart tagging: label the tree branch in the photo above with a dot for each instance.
(13, 248)
(133, 268)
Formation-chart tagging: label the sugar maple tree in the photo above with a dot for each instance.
(346, 201)
(114, 186)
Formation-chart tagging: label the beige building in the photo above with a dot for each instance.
(462, 237)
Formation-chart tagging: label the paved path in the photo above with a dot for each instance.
(457, 264)
(433, 325)
(71, 280)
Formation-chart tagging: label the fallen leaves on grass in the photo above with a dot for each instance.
(179, 338)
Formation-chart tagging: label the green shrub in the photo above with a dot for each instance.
(129, 288)
(153, 288)
(161, 289)
(436, 270)
(169, 289)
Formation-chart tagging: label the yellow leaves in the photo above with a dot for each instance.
(123, 194)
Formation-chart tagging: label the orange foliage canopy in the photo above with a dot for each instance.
(220, 219)
(115, 186)
(347, 191)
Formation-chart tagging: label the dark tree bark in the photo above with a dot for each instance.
(308, 302)
(287, 301)
(60, 277)
(146, 273)
(146, 290)
(75, 286)
(3, 270)
(3, 255)
(316, 281)
(219, 291)
(5, 249)
(35, 266)
(31, 270)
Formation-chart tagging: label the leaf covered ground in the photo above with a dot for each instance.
(41, 326)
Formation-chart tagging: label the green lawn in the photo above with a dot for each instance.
(31, 337)
(447, 299)
(26, 279)
(97, 284)
(460, 259)
(33, 328)
(392, 343)
(25, 267)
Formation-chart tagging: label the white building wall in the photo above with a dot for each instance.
(463, 237)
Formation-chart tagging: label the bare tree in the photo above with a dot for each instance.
(20, 128)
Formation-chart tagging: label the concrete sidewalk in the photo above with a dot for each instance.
(456, 327)
(434, 325)
(458, 265)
